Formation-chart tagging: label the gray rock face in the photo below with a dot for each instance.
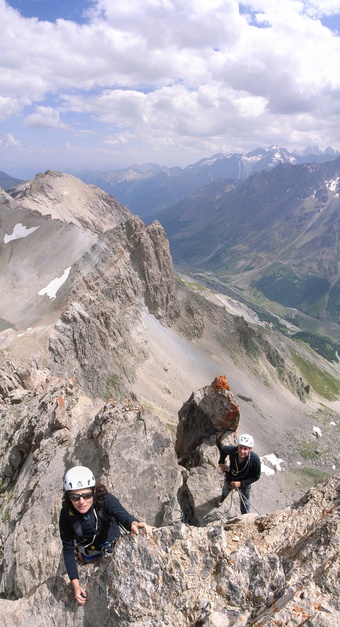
(210, 411)
(118, 442)
(249, 571)
(199, 567)
(114, 283)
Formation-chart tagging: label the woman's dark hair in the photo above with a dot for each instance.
(100, 491)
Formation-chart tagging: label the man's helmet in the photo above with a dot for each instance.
(246, 440)
(79, 477)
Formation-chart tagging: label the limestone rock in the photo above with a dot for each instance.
(94, 340)
(137, 452)
(65, 197)
(250, 571)
(14, 381)
(212, 410)
(124, 445)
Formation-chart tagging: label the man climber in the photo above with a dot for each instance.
(244, 469)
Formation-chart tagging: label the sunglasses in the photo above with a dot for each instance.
(76, 497)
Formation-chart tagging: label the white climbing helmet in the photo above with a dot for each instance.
(79, 477)
(246, 440)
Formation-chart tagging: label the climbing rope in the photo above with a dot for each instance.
(244, 501)
(231, 502)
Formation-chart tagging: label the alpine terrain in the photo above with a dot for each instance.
(273, 236)
(111, 359)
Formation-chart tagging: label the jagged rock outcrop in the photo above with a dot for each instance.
(127, 447)
(200, 567)
(90, 273)
(280, 569)
(249, 571)
(94, 339)
(212, 410)
(14, 381)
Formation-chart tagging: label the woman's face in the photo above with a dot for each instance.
(85, 502)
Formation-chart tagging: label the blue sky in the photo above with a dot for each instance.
(99, 84)
(52, 10)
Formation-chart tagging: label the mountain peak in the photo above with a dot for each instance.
(67, 198)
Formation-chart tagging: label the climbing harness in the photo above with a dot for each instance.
(88, 553)
(107, 548)
(95, 531)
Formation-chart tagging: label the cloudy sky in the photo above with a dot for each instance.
(99, 83)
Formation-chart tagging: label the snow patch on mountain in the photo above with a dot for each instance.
(52, 288)
(19, 231)
(270, 464)
(333, 185)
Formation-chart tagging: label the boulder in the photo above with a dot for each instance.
(210, 411)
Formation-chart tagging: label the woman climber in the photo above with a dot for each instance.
(90, 523)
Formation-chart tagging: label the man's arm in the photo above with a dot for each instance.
(224, 452)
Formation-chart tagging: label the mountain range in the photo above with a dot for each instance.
(276, 233)
(251, 224)
(7, 181)
(146, 188)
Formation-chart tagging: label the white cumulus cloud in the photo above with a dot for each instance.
(44, 117)
(8, 141)
(139, 76)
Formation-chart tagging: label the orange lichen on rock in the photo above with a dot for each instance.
(220, 383)
(60, 402)
(235, 410)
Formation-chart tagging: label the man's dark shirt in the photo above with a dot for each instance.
(246, 471)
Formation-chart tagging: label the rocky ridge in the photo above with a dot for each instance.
(202, 566)
(74, 389)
